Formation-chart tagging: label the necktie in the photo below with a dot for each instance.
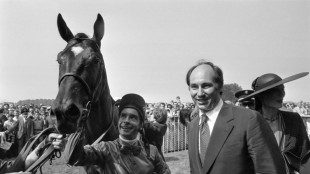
(204, 131)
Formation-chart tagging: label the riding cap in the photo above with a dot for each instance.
(243, 93)
(270, 80)
(133, 101)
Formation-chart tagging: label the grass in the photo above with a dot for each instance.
(177, 162)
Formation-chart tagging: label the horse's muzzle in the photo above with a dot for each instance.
(67, 118)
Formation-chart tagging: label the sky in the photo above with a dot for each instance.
(148, 46)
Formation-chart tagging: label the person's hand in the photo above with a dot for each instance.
(58, 140)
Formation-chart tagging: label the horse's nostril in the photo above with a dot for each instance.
(72, 112)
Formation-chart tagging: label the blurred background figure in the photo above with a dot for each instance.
(185, 116)
(156, 130)
(247, 103)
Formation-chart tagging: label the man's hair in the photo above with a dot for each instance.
(219, 80)
(185, 115)
(160, 115)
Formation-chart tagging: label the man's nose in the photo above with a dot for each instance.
(126, 119)
(200, 91)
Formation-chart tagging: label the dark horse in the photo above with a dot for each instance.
(83, 86)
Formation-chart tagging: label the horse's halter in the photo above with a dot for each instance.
(86, 110)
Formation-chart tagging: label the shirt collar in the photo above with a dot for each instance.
(212, 115)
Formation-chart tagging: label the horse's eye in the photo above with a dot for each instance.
(96, 60)
(59, 58)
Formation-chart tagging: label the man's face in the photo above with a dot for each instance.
(129, 123)
(203, 90)
(25, 114)
(16, 113)
(162, 106)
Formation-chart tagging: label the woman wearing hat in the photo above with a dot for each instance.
(126, 155)
(288, 127)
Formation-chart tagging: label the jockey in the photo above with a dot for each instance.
(128, 153)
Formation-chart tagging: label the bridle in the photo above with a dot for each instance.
(91, 93)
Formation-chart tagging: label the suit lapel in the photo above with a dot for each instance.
(221, 130)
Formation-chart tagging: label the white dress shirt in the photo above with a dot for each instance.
(212, 116)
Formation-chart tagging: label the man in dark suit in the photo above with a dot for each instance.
(224, 138)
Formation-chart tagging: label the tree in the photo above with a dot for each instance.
(229, 91)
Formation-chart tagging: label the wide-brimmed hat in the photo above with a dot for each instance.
(270, 80)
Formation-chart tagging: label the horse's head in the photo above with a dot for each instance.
(81, 74)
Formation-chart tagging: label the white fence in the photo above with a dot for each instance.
(176, 137)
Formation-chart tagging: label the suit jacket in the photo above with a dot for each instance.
(241, 143)
(296, 142)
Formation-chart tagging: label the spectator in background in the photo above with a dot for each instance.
(20, 135)
(3, 118)
(11, 106)
(299, 108)
(10, 129)
(49, 119)
(181, 106)
(43, 116)
(29, 124)
(157, 129)
(178, 99)
(11, 111)
(149, 113)
(169, 110)
(185, 116)
(248, 103)
(5, 106)
(288, 127)
(162, 105)
(38, 124)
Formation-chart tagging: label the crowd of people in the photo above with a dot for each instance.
(20, 122)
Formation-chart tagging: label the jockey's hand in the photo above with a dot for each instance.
(58, 140)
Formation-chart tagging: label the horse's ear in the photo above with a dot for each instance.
(63, 29)
(98, 29)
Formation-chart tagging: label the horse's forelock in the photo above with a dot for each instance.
(81, 36)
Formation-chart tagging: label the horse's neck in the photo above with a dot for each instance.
(100, 119)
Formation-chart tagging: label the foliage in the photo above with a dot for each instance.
(229, 91)
(47, 102)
